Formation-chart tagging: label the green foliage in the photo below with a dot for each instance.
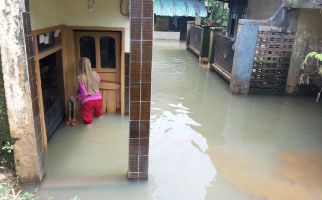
(8, 146)
(7, 192)
(6, 142)
(218, 13)
(311, 69)
(313, 55)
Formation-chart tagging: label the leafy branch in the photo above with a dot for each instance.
(317, 69)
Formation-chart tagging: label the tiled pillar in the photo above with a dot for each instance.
(141, 19)
(127, 83)
(18, 68)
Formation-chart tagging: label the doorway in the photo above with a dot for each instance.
(104, 51)
(52, 87)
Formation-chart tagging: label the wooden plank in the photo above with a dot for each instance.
(111, 101)
(69, 66)
(50, 51)
(105, 99)
(118, 99)
(122, 92)
(96, 28)
(108, 77)
(109, 86)
(46, 30)
(41, 101)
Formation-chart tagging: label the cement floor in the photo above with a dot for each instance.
(206, 143)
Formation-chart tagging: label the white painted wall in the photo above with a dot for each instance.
(46, 13)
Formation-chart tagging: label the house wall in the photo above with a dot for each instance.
(47, 13)
(262, 9)
(308, 38)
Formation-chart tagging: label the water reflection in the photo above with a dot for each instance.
(179, 163)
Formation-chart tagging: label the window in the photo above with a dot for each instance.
(87, 49)
(102, 48)
(108, 52)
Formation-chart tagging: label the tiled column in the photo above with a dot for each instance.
(21, 89)
(141, 19)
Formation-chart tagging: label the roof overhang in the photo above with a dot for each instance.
(187, 8)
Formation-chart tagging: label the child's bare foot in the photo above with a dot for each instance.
(74, 123)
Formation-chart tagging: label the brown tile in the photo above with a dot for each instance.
(127, 82)
(133, 164)
(35, 107)
(135, 92)
(33, 88)
(27, 6)
(136, 28)
(127, 71)
(133, 175)
(134, 147)
(26, 23)
(135, 51)
(147, 29)
(31, 68)
(134, 129)
(135, 72)
(146, 71)
(143, 176)
(145, 111)
(134, 110)
(29, 46)
(147, 8)
(146, 51)
(143, 164)
(145, 91)
(127, 64)
(127, 58)
(144, 146)
(136, 8)
(144, 129)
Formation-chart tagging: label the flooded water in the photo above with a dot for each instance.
(206, 143)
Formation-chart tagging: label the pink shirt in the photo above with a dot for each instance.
(83, 95)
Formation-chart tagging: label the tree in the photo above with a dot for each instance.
(217, 12)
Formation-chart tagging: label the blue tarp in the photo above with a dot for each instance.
(188, 8)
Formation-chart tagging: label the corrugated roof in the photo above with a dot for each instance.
(188, 8)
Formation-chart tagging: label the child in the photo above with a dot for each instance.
(88, 91)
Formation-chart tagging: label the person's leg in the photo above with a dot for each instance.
(98, 106)
(86, 110)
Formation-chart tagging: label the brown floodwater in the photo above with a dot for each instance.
(206, 143)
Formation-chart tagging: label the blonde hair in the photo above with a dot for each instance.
(88, 77)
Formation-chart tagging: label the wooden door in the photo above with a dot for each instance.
(104, 51)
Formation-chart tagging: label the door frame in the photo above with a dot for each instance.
(68, 47)
(122, 51)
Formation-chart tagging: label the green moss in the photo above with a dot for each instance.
(6, 142)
